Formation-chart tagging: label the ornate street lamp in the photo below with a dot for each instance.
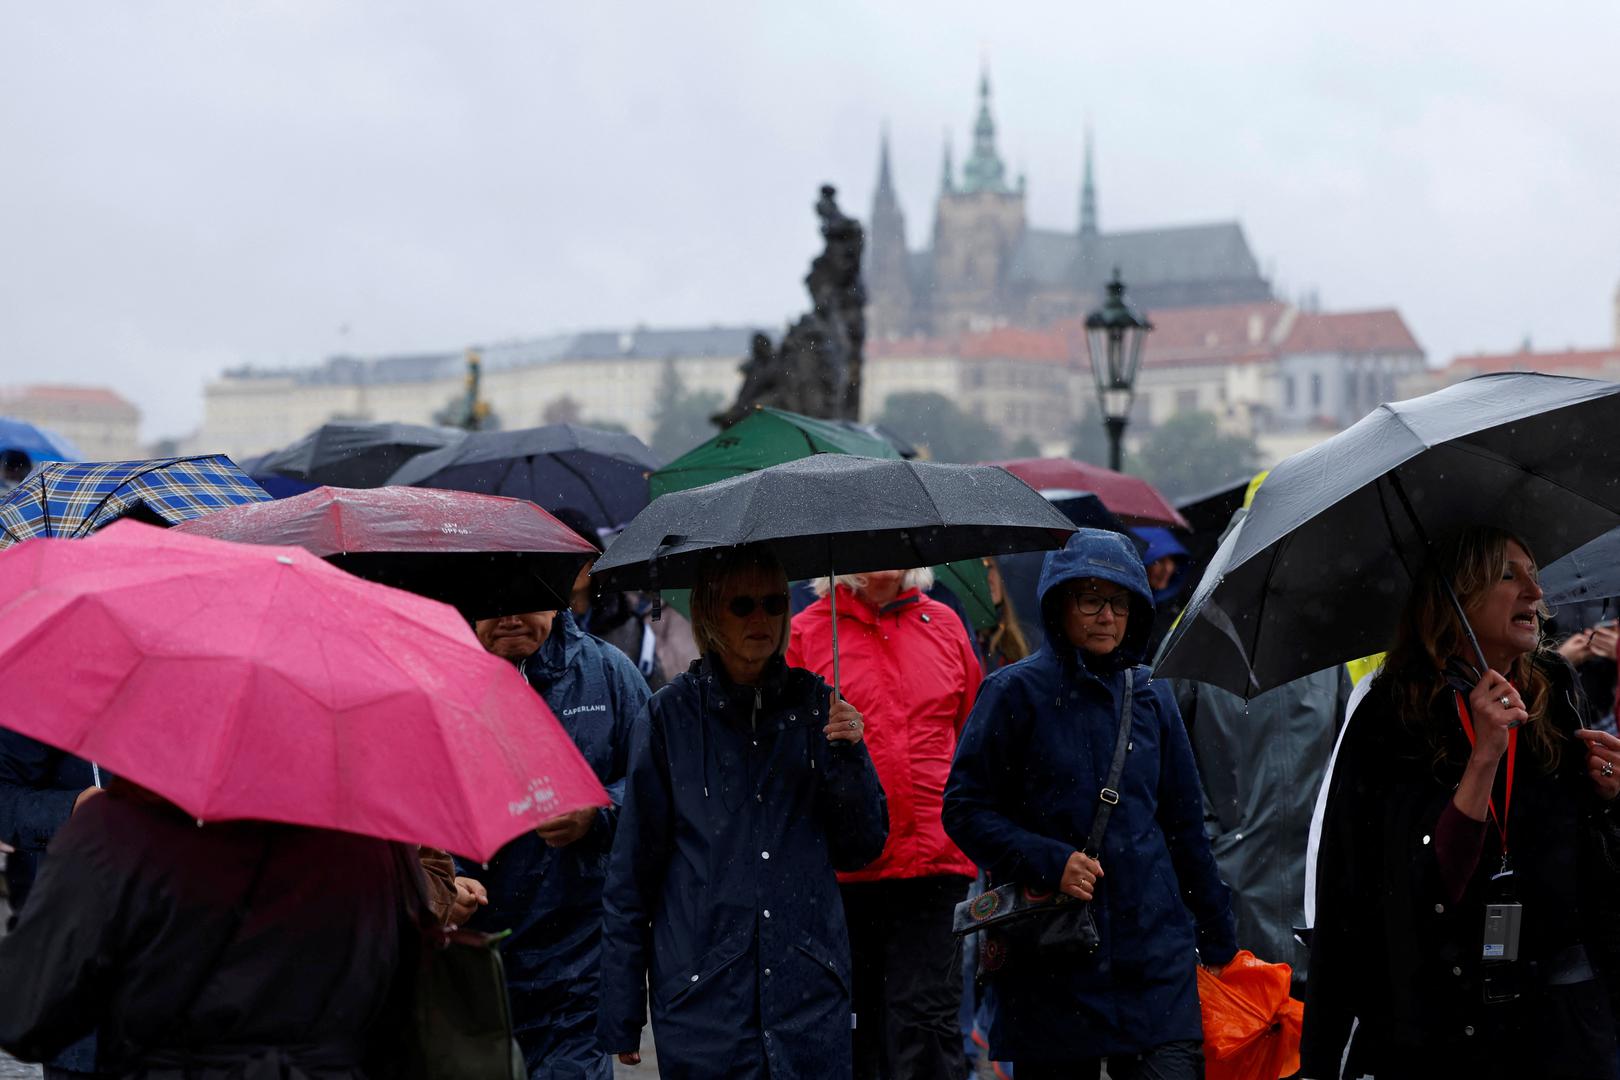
(1114, 335)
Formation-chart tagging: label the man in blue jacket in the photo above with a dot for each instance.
(546, 886)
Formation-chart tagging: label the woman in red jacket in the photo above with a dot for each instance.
(907, 663)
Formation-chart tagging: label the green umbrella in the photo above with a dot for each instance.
(766, 437)
(771, 436)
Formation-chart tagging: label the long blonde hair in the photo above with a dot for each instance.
(1429, 636)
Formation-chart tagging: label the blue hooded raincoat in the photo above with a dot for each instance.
(551, 898)
(1021, 797)
(721, 895)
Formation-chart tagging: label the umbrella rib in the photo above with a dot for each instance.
(1260, 612)
(1481, 452)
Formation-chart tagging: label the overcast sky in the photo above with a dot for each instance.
(188, 186)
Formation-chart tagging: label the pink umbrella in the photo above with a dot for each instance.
(244, 681)
(1130, 497)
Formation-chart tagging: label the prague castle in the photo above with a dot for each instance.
(987, 266)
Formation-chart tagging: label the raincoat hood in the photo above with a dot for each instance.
(1106, 556)
(1162, 543)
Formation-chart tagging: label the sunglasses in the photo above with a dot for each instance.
(743, 606)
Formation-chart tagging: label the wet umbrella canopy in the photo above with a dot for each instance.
(240, 681)
(1319, 569)
(75, 500)
(1133, 499)
(37, 443)
(836, 513)
(1590, 572)
(354, 454)
(485, 555)
(601, 474)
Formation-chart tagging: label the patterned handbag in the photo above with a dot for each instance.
(1021, 926)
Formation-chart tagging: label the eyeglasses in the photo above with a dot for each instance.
(743, 606)
(1091, 603)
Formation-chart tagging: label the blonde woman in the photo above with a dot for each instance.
(749, 786)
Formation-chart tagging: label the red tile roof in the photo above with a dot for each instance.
(1584, 361)
(1381, 331)
(78, 395)
(1010, 343)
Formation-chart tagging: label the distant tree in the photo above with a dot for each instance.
(1088, 440)
(681, 420)
(606, 425)
(931, 420)
(563, 410)
(1024, 446)
(1188, 454)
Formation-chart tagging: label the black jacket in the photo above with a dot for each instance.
(721, 895)
(1392, 954)
(132, 929)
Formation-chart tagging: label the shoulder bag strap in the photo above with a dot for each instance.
(1108, 797)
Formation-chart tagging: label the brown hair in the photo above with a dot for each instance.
(718, 569)
(1429, 635)
(1007, 638)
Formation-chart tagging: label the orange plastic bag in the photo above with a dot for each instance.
(1251, 1025)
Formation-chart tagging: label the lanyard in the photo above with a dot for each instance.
(1500, 820)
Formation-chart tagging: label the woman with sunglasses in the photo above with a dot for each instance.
(1029, 777)
(749, 786)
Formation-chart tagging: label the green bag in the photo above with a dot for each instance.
(461, 1020)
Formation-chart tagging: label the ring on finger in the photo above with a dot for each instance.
(1505, 700)
(1608, 768)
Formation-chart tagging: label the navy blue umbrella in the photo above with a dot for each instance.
(601, 474)
(36, 443)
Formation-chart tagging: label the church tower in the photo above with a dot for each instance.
(888, 277)
(977, 231)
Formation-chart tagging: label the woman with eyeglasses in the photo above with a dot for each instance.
(749, 786)
(1029, 777)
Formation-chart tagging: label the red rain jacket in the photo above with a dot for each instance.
(911, 672)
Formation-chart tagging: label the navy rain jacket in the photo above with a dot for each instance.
(551, 898)
(1021, 797)
(721, 894)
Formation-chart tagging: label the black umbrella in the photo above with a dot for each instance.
(1318, 571)
(353, 453)
(601, 474)
(835, 514)
(1021, 573)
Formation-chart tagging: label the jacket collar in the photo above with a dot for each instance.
(849, 603)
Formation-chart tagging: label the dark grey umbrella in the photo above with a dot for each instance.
(1318, 571)
(1590, 572)
(354, 453)
(835, 514)
(601, 474)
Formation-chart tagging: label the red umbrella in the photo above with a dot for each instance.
(484, 554)
(240, 681)
(1131, 497)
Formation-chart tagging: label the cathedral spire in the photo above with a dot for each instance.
(885, 184)
(984, 170)
(947, 178)
(1088, 195)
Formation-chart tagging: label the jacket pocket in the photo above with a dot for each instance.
(720, 956)
(824, 961)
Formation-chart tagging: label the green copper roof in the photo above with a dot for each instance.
(984, 170)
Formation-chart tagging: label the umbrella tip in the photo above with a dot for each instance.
(285, 560)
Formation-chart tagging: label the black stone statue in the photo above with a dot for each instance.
(817, 368)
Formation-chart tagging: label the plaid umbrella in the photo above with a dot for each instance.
(75, 500)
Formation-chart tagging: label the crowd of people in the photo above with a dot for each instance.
(794, 822)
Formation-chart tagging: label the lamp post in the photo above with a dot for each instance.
(1114, 336)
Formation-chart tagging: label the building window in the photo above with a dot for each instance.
(1186, 401)
(1289, 392)
(1316, 391)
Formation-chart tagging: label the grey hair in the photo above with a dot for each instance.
(921, 577)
